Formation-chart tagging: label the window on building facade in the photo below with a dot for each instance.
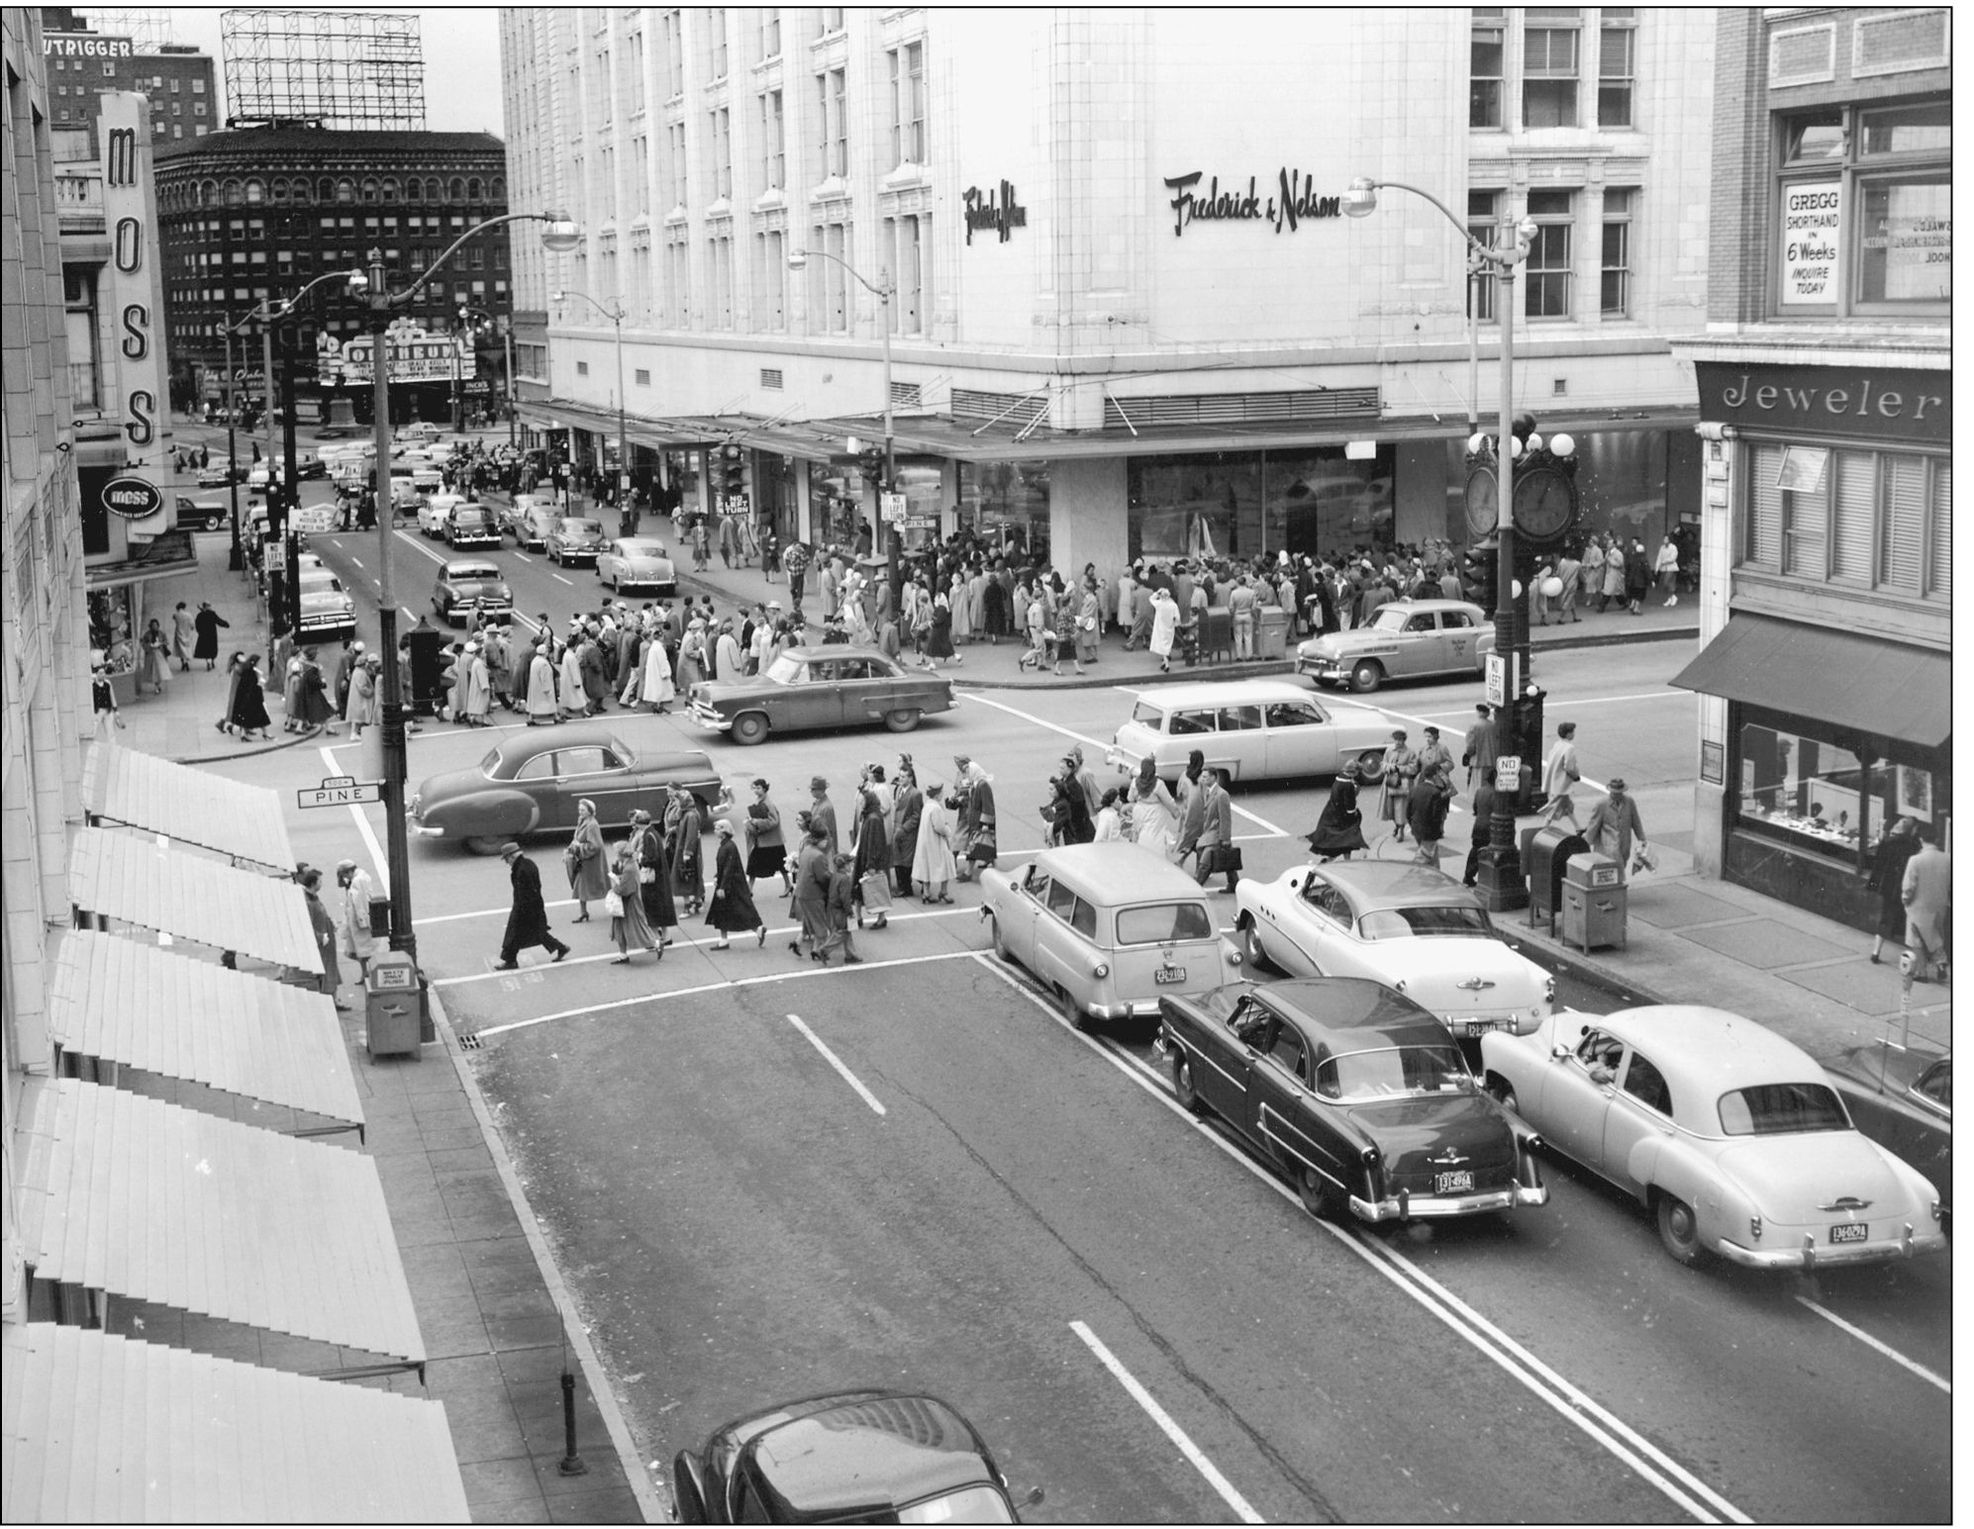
(1878, 520)
(721, 123)
(774, 143)
(716, 41)
(1547, 273)
(909, 239)
(829, 282)
(641, 173)
(175, 84)
(198, 87)
(770, 32)
(908, 146)
(109, 70)
(719, 257)
(674, 29)
(829, 18)
(678, 287)
(1486, 66)
(832, 125)
(1617, 60)
(1614, 299)
(1483, 215)
(675, 164)
(641, 377)
(770, 280)
(1550, 38)
(634, 72)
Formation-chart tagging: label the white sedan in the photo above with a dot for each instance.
(1252, 729)
(637, 562)
(1412, 928)
(1733, 1137)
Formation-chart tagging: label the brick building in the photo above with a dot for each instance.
(82, 64)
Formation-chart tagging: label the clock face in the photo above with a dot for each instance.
(1483, 502)
(1545, 504)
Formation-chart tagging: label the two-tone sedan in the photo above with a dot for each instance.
(1252, 729)
(328, 612)
(1406, 639)
(530, 783)
(637, 562)
(1415, 929)
(809, 688)
(574, 541)
(1356, 1092)
(471, 525)
(1731, 1136)
(468, 584)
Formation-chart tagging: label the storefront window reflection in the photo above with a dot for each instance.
(921, 487)
(1810, 789)
(839, 502)
(1250, 504)
(1007, 506)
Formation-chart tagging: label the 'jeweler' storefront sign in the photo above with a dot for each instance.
(1295, 198)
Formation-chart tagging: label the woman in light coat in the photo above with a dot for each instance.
(1666, 566)
(541, 689)
(1089, 622)
(477, 692)
(933, 866)
(1165, 627)
(589, 872)
(574, 700)
(1154, 815)
(360, 708)
(657, 691)
(629, 926)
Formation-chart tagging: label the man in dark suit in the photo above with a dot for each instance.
(527, 924)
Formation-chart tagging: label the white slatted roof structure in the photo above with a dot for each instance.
(122, 1001)
(96, 1428)
(145, 1200)
(136, 881)
(140, 790)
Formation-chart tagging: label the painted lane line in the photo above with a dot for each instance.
(356, 562)
(1623, 1442)
(1886, 1349)
(418, 546)
(834, 1061)
(522, 555)
(560, 580)
(726, 984)
(379, 861)
(1167, 1426)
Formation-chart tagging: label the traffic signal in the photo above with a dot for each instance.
(733, 471)
(1480, 568)
(870, 461)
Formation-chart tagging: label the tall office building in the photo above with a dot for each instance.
(83, 63)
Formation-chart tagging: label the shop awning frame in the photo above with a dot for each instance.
(123, 1002)
(99, 1428)
(119, 876)
(129, 1197)
(1855, 683)
(139, 790)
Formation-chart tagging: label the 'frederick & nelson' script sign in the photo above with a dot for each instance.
(1295, 199)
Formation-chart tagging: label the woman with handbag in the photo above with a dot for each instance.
(767, 850)
(873, 846)
(628, 925)
(688, 865)
(933, 865)
(810, 902)
(1089, 621)
(589, 874)
(654, 882)
(731, 907)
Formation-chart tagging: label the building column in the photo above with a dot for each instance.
(1720, 467)
(1089, 516)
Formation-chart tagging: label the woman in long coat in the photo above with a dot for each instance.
(1614, 574)
(153, 661)
(573, 701)
(630, 927)
(1340, 830)
(873, 844)
(234, 666)
(589, 872)
(692, 656)
(962, 604)
(360, 710)
(933, 865)
(657, 691)
(249, 713)
(1154, 815)
(1887, 879)
(477, 691)
(907, 807)
(811, 901)
(1089, 622)
(939, 641)
(994, 610)
(688, 864)
(654, 878)
(731, 907)
(324, 928)
(316, 710)
(1165, 627)
(207, 624)
(1637, 576)
(541, 688)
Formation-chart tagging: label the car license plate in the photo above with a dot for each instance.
(1850, 1231)
(1453, 1183)
(1476, 1026)
(1169, 974)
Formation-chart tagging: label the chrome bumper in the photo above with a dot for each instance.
(1810, 1254)
(707, 717)
(1443, 1207)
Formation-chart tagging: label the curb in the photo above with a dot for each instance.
(1581, 967)
(270, 747)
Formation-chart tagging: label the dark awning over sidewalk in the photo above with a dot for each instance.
(1860, 684)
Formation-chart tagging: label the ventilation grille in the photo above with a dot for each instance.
(906, 395)
(1004, 408)
(1802, 56)
(771, 377)
(1240, 408)
(1901, 40)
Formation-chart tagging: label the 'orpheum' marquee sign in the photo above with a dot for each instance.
(1295, 198)
(416, 355)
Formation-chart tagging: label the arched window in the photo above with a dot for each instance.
(230, 193)
(346, 190)
(473, 189)
(390, 188)
(256, 191)
(433, 191)
(457, 190)
(498, 191)
(370, 188)
(414, 189)
(325, 190)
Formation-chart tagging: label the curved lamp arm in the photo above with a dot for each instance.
(267, 313)
(616, 313)
(561, 234)
(882, 290)
(1362, 199)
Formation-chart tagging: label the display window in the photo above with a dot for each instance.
(1007, 506)
(1818, 794)
(1252, 504)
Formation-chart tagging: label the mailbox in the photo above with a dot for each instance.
(1593, 901)
(394, 1006)
(1545, 852)
(1271, 632)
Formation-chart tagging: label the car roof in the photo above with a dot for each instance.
(870, 1451)
(468, 568)
(1710, 1049)
(1123, 864)
(1405, 603)
(1226, 693)
(1342, 1014)
(576, 735)
(580, 520)
(641, 545)
(1373, 884)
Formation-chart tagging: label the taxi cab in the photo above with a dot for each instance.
(1406, 639)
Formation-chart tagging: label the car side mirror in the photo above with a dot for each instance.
(1560, 1052)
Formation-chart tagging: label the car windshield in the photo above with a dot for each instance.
(1782, 1109)
(1407, 923)
(1151, 714)
(320, 584)
(582, 528)
(969, 1505)
(465, 517)
(1396, 1072)
(786, 670)
(473, 571)
(1159, 922)
(1390, 619)
(641, 549)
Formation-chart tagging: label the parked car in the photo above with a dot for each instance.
(1902, 1098)
(530, 782)
(1107, 928)
(433, 510)
(1733, 1137)
(204, 514)
(427, 479)
(1355, 1091)
(805, 688)
(1406, 639)
(471, 525)
(637, 562)
(864, 1457)
(219, 475)
(308, 465)
(1414, 929)
(574, 541)
(328, 613)
(514, 514)
(1253, 729)
(466, 583)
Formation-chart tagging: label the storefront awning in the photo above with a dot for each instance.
(142, 791)
(164, 557)
(1856, 683)
(97, 1428)
(143, 1200)
(121, 1001)
(136, 881)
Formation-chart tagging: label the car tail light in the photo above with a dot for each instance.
(1936, 1210)
(1549, 989)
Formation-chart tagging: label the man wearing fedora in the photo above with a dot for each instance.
(527, 923)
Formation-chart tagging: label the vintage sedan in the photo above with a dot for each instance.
(219, 474)
(574, 541)
(808, 688)
(1415, 929)
(1356, 1092)
(1730, 1135)
(854, 1457)
(529, 519)
(203, 514)
(433, 510)
(530, 782)
(1253, 729)
(637, 562)
(466, 584)
(1405, 640)
(1901, 1096)
(471, 525)
(328, 613)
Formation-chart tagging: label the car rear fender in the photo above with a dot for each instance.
(497, 812)
(689, 1488)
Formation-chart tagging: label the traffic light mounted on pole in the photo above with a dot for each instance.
(1479, 573)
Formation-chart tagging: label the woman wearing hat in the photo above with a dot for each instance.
(767, 849)
(692, 656)
(1153, 815)
(541, 688)
(360, 708)
(589, 875)
(628, 925)
(731, 907)
(907, 808)
(811, 901)
(688, 866)
(1401, 769)
(822, 812)
(476, 689)
(933, 865)
(1340, 830)
(872, 843)
(654, 875)
(1887, 880)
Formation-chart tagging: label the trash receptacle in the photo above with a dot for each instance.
(394, 1006)
(1271, 632)
(1593, 902)
(1545, 852)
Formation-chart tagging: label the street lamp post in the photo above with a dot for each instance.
(614, 313)
(560, 234)
(1500, 870)
(883, 291)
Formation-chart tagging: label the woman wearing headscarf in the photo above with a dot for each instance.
(907, 807)
(995, 610)
(933, 865)
(688, 864)
(1666, 566)
(542, 709)
(628, 925)
(1340, 829)
(654, 876)
(731, 907)
(360, 710)
(589, 873)
(872, 843)
(811, 901)
(1154, 815)
(1637, 576)
(249, 714)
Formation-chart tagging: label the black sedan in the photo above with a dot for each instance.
(856, 1457)
(530, 783)
(1357, 1092)
(468, 584)
(1902, 1098)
